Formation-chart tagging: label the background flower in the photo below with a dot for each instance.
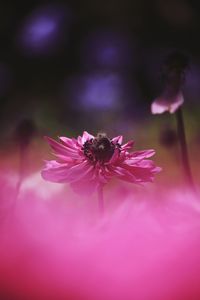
(167, 102)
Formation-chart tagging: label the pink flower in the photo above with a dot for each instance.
(88, 162)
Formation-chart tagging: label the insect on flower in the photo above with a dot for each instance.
(89, 162)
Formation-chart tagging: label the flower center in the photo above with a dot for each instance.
(100, 148)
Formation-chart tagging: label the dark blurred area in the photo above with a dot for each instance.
(95, 65)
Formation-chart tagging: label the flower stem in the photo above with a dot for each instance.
(22, 165)
(184, 150)
(101, 199)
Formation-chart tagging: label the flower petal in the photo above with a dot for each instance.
(55, 171)
(63, 150)
(118, 139)
(142, 154)
(60, 172)
(128, 145)
(144, 171)
(114, 157)
(171, 104)
(71, 143)
(79, 171)
(86, 137)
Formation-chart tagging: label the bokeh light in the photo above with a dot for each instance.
(108, 49)
(97, 91)
(45, 30)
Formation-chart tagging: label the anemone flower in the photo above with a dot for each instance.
(89, 162)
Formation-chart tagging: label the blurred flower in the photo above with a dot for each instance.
(168, 101)
(173, 73)
(89, 162)
(44, 30)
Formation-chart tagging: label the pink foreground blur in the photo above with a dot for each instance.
(146, 248)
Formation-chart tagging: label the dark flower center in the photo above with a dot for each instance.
(100, 148)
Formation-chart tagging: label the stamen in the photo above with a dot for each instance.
(100, 148)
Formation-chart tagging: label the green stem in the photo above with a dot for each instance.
(101, 199)
(183, 145)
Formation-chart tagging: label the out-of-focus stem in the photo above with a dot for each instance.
(100, 199)
(184, 150)
(22, 154)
